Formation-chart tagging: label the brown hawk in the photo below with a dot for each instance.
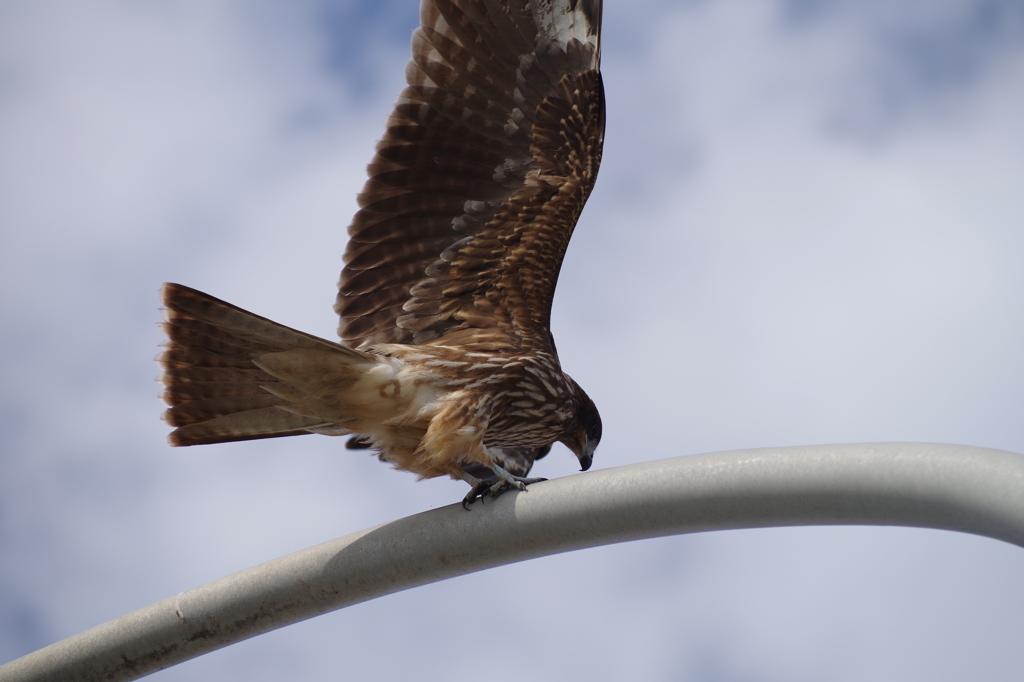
(447, 365)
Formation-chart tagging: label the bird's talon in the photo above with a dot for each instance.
(495, 487)
(475, 493)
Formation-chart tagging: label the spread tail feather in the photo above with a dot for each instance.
(232, 375)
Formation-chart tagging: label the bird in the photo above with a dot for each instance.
(446, 364)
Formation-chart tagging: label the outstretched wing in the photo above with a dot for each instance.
(474, 192)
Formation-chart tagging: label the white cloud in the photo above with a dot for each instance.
(800, 234)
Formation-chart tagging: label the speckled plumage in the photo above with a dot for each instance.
(447, 364)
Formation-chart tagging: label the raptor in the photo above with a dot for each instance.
(447, 365)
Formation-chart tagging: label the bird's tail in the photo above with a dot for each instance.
(232, 375)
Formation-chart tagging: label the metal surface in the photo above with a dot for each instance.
(959, 488)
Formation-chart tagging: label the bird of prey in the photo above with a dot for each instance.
(447, 365)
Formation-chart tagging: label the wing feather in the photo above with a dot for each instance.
(475, 189)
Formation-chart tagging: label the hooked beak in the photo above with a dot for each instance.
(586, 455)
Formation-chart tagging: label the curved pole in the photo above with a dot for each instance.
(960, 488)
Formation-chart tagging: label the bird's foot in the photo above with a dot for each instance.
(493, 487)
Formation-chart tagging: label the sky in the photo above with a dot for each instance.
(808, 228)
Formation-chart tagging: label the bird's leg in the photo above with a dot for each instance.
(488, 487)
(507, 481)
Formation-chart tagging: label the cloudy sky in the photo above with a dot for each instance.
(809, 228)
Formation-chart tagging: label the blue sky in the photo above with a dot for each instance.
(807, 229)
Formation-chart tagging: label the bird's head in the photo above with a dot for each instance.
(583, 432)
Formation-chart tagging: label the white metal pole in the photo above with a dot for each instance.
(959, 488)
